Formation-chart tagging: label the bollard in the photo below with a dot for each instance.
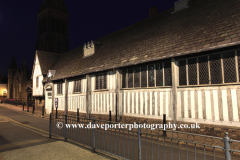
(139, 142)
(78, 114)
(23, 107)
(164, 122)
(50, 125)
(110, 117)
(33, 108)
(227, 147)
(65, 128)
(42, 110)
(28, 108)
(93, 134)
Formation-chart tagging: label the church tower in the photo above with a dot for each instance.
(52, 33)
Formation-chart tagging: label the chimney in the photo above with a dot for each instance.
(153, 11)
(179, 5)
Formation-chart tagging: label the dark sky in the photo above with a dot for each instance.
(88, 20)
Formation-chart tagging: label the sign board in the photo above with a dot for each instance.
(56, 102)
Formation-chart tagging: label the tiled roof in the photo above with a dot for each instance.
(204, 25)
(47, 60)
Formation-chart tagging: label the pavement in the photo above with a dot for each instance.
(22, 141)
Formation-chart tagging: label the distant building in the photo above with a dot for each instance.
(18, 81)
(3, 87)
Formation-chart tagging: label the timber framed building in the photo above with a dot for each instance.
(184, 63)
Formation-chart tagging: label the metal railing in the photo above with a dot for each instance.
(142, 143)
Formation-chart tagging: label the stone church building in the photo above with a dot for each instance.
(183, 62)
(18, 81)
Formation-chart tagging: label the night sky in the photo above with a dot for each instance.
(88, 20)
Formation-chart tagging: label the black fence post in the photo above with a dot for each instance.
(110, 117)
(139, 142)
(42, 110)
(28, 108)
(65, 128)
(164, 124)
(78, 114)
(56, 112)
(93, 133)
(50, 125)
(33, 108)
(23, 107)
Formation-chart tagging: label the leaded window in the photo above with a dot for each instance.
(167, 74)
(159, 75)
(238, 59)
(124, 80)
(192, 71)
(203, 70)
(77, 86)
(212, 69)
(215, 69)
(151, 77)
(101, 81)
(229, 67)
(59, 88)
(144, 76)
(182, 73)
(136, 76)
(130, 77)
(147, 76)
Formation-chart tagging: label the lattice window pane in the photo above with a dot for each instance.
(130, 77)
(59, 88)
(151, 78)
(238, 54)
(159, 75)
(144, 76)
(100, 82)
(136, 77)
(167, 74)
(77, 86)
(192, 71)
(229, 67)
(104, 81)
(97, 84)
(203, 70)
(124, 75)
(215, 69)
(74, 87)
(182, 73)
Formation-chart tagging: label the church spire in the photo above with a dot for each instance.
(12, 64)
